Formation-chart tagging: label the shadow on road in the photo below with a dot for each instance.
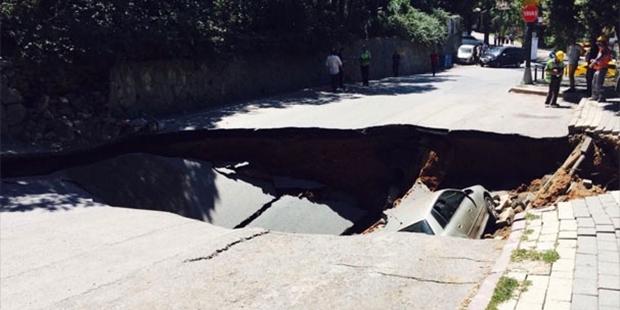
(316, 96)
(51, 194)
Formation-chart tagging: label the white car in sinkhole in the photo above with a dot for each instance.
(449, 212)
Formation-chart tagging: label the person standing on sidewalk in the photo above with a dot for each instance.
(434, 61)
(395, 62)
(365, 64)
(590, 56)
(333, 64)
(600, 64)
(553, 74)
(574, 52)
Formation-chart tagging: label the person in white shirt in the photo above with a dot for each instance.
(574, 52)
(333, 64)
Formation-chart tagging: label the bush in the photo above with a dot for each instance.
(81, 39)
(408, 22)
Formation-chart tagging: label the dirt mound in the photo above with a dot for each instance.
(563, 188)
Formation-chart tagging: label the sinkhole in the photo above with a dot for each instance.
(302, 180)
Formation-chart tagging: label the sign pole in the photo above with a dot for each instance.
(530, 16)
(527, 73)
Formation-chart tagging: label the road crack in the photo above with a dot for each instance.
(466, 258)
(419, 279)
(226, 248)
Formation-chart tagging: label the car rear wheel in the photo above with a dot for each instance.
(490, 205)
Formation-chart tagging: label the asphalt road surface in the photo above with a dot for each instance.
(462, 98)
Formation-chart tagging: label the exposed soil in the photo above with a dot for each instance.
(579, 190)
(566, 188)
(558, 187)
(433, 171)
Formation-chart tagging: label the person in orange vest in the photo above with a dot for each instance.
(600, 64)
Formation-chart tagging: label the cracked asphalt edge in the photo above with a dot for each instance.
(480, 296)
(226, 247)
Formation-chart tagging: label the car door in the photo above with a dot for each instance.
(501, 59)
(510, 56)
(520, 56)
(476, 195)
(515, 56)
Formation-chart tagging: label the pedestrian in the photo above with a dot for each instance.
(434, 61)
(341, 72)
(483, 50)
(553, 74)
(333, 64)
(600, 65)
(590, 56)
(365, 64)
(395, 62)
(574, 52)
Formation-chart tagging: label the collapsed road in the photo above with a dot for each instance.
(293, 179)
(79, 231)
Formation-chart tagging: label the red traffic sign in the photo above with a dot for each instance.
(530, 13)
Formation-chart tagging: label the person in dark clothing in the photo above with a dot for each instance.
(395, 63)
(553, 74)
(434, 61)
(365, 65)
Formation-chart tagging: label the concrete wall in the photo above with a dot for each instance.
(177, 86)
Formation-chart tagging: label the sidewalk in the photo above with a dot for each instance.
(596, 118)
(568, 256)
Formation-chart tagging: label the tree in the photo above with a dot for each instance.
(578, 19)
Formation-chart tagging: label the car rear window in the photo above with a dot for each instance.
(420, 227)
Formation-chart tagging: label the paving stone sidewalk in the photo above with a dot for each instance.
(596, 117)
(586, 235)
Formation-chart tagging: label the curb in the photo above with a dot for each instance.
(485, 292)
(527, 91)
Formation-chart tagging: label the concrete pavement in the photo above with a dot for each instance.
(465, 97)
(92, 256)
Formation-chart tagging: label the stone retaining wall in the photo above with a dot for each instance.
(177, 86)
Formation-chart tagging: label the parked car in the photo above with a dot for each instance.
(501, 56)
(449, 212)
(468, 39)
(468, 53)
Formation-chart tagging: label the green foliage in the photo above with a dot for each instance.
(507, 288)
(406, 21)
(526, 233)
(44, 37)
(504, 290)
(548, 256)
